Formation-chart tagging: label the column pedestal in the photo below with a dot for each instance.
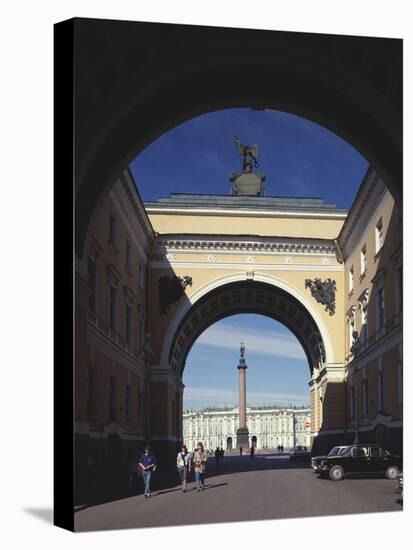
(243, 440)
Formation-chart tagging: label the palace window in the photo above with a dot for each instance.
(351, 279)
(112, 399)
(128, 257)
(400, 383)
(141, 276)
(352, 401)
(91, 271)
(365, 387)
(141, 408)
(363, 328)
(128, 404)
(141, 336)
(128, 325)
(91, 391)
(380, 313)
(363, 261)
(112, 229)
(380, 388)
(399, 289)
(351, 329)
(112, 307)
(379, 235)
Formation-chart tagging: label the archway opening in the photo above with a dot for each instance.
(277, 385)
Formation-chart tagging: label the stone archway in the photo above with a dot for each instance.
(235, 294)
(247, 297)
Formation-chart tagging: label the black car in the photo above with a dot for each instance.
(335, 451)
(363, 458)
(299, 453)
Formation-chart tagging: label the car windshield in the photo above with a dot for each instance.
(334, 451)
(347, 450)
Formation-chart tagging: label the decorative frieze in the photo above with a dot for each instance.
(325, 248)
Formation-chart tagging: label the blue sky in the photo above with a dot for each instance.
(299, 158)
(278, 371)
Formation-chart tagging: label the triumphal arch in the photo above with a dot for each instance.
(218, 255)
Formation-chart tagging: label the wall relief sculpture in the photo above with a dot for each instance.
(324, 292)
(171, 290)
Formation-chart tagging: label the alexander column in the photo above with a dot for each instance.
(242, 432)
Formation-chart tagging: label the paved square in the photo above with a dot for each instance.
(241, 489)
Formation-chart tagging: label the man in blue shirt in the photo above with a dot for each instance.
(147, 465)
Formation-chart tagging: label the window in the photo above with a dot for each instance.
(365, 397)
(91, 271)
(91, 391)
(351, 329)
(128, 257)
(112, 307)
(112, 229)
(351, 279)
(375, 452)
(141, 337)
(400, 383)
(128, 404)
(112, 398)
(399, 289)
(352, 401)
(141, 276)
(380, 316)
(363, 329)
(128, 325)
(381, 390)
(379, 235)
(363, 256)
(141, 408)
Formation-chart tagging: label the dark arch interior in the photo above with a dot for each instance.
(247, 297)
(137, 80)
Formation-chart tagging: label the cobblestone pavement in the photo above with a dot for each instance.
(241, 489)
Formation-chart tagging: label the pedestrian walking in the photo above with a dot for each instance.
(221, 454)
(200, 458)
(183, 464)
(217, 456)
(252, 451)
(240, 451)
(282, 449)
(147, 465)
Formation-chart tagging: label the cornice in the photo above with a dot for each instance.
(137, 207)
(316, 247)
(370, 196)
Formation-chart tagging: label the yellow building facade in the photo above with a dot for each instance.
(157, 274)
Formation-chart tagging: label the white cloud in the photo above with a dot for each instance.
(264, 342)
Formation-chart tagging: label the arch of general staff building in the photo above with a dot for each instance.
(135, 81)
(235, 262)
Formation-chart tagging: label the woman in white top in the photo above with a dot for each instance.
(183, 464)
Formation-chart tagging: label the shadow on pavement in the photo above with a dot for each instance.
(166, 479)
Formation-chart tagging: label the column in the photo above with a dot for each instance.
(242, 432)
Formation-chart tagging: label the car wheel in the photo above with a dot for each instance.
(336, 473)
(392, 472)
